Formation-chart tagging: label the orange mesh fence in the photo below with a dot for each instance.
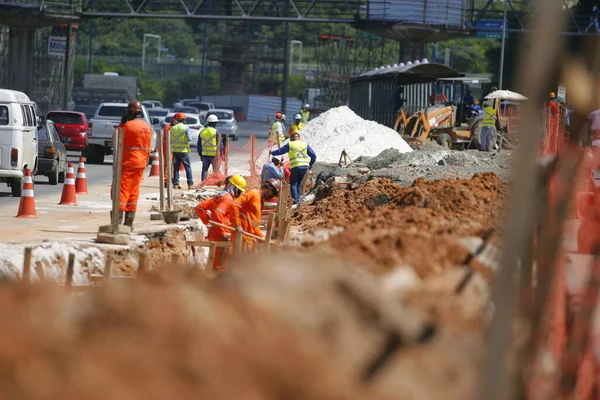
(554, 132)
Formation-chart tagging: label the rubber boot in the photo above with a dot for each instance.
(120, 217)
(129, 217)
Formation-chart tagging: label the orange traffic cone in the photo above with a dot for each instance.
(81, 181)
(68, 194)
(181, 167)
(27, 205)
(155, 169)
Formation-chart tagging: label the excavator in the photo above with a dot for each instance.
(447, 123)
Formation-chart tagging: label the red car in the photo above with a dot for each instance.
(71, 125)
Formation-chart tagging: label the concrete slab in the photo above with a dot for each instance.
(113, 239)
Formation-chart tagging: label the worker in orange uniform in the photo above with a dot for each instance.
(137, 139)
(246, 211)
(218, 209)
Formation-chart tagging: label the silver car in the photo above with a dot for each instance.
(227, 124)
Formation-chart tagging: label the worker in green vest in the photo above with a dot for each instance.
(488, 125)
(305, 112)
(277, 132)
(180, 137)
(207, 144)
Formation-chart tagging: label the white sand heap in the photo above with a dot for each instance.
(341, 129)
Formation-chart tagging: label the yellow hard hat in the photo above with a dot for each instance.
(239, 182)
(552, 95)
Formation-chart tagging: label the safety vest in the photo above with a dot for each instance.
(137, 140)
(179, 141)
(305, 116)
(489, 118)
(299, 154)
(208, 136)
(273, 133)
(296, 128)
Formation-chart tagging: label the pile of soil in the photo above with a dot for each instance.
(386, 225)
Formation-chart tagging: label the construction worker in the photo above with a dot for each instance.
(218, 209)
(552, 104)
(277, 132)
(137, 139)
(297, 125)
(488, 124)
(272, 170)
(180, 150)
(305, 112)
(207, 144)
(302, 158)
(246, 211)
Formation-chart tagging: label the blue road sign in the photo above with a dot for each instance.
(489, 29)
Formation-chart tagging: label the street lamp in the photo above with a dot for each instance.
(146, 36)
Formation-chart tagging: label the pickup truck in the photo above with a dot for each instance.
(101, 129)
(203, 107)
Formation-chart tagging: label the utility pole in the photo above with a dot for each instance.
(91, 37)
(67, 76)
(286, 70)
(504, 23)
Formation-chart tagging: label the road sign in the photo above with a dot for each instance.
(562, 93)
(57, 46)
(488, 29)
(309, 77)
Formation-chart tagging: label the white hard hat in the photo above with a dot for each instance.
(212, 118)
(306, 106)
(298, 116)
(283, 117)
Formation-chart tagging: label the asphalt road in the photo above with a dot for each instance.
(102, 174)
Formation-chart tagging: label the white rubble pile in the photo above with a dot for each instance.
(341, 129)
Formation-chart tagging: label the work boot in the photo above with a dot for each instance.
(120, 216)
(191, 187)
(129, 217)
(176, 186)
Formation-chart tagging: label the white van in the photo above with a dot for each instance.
(18, 142)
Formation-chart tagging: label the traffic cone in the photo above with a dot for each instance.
(69, 197)
(27, 205)
(155, 169)
(181, 167)
(81, 181)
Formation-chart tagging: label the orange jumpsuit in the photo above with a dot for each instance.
(137, 140)
(246, 212)
(220, 209)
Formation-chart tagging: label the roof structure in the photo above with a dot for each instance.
(418, 70)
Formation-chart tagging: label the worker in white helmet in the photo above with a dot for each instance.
(305, 112)
(207, 144)
(297, 125)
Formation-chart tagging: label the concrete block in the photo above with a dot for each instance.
(156, 217)
(109, 238)
(122, 229)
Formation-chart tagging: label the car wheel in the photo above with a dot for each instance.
(53, 177)
(16, 187)
(61, 177)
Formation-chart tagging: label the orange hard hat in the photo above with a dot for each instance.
(179, 116)
(278, 115)
(135, 107)
(276, 183)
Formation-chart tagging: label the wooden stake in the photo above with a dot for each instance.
(27, 266)
(70, 270)
(211, 255)
(143, 263)
(161, 165)
(269, 234)
(237, 250)
(107, 271)
(117, 171)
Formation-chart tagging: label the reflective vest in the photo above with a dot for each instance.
(305, 116)
(299, 154)
(489, 118)
(296, 128)
(137, 139)
(179, 141)
(273, 133)
(208, 136)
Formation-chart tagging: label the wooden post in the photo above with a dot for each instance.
(169, 173)
(39, 270)
(211, 255)
(161, 165)
(70, 270)
(237, 250)
(27, 266)
(107, 271)
(269, 234)
(117, 171)
(175, 260)
(143, 263)
(226, 156)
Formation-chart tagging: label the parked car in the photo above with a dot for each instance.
(203, 107)
(227, 125)
(186, 110)
(193, 122)
(72, 126)
(88, 110)
(18, 142)
(52, 154)
(102, 128)
(152, 104)
(159, 113)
